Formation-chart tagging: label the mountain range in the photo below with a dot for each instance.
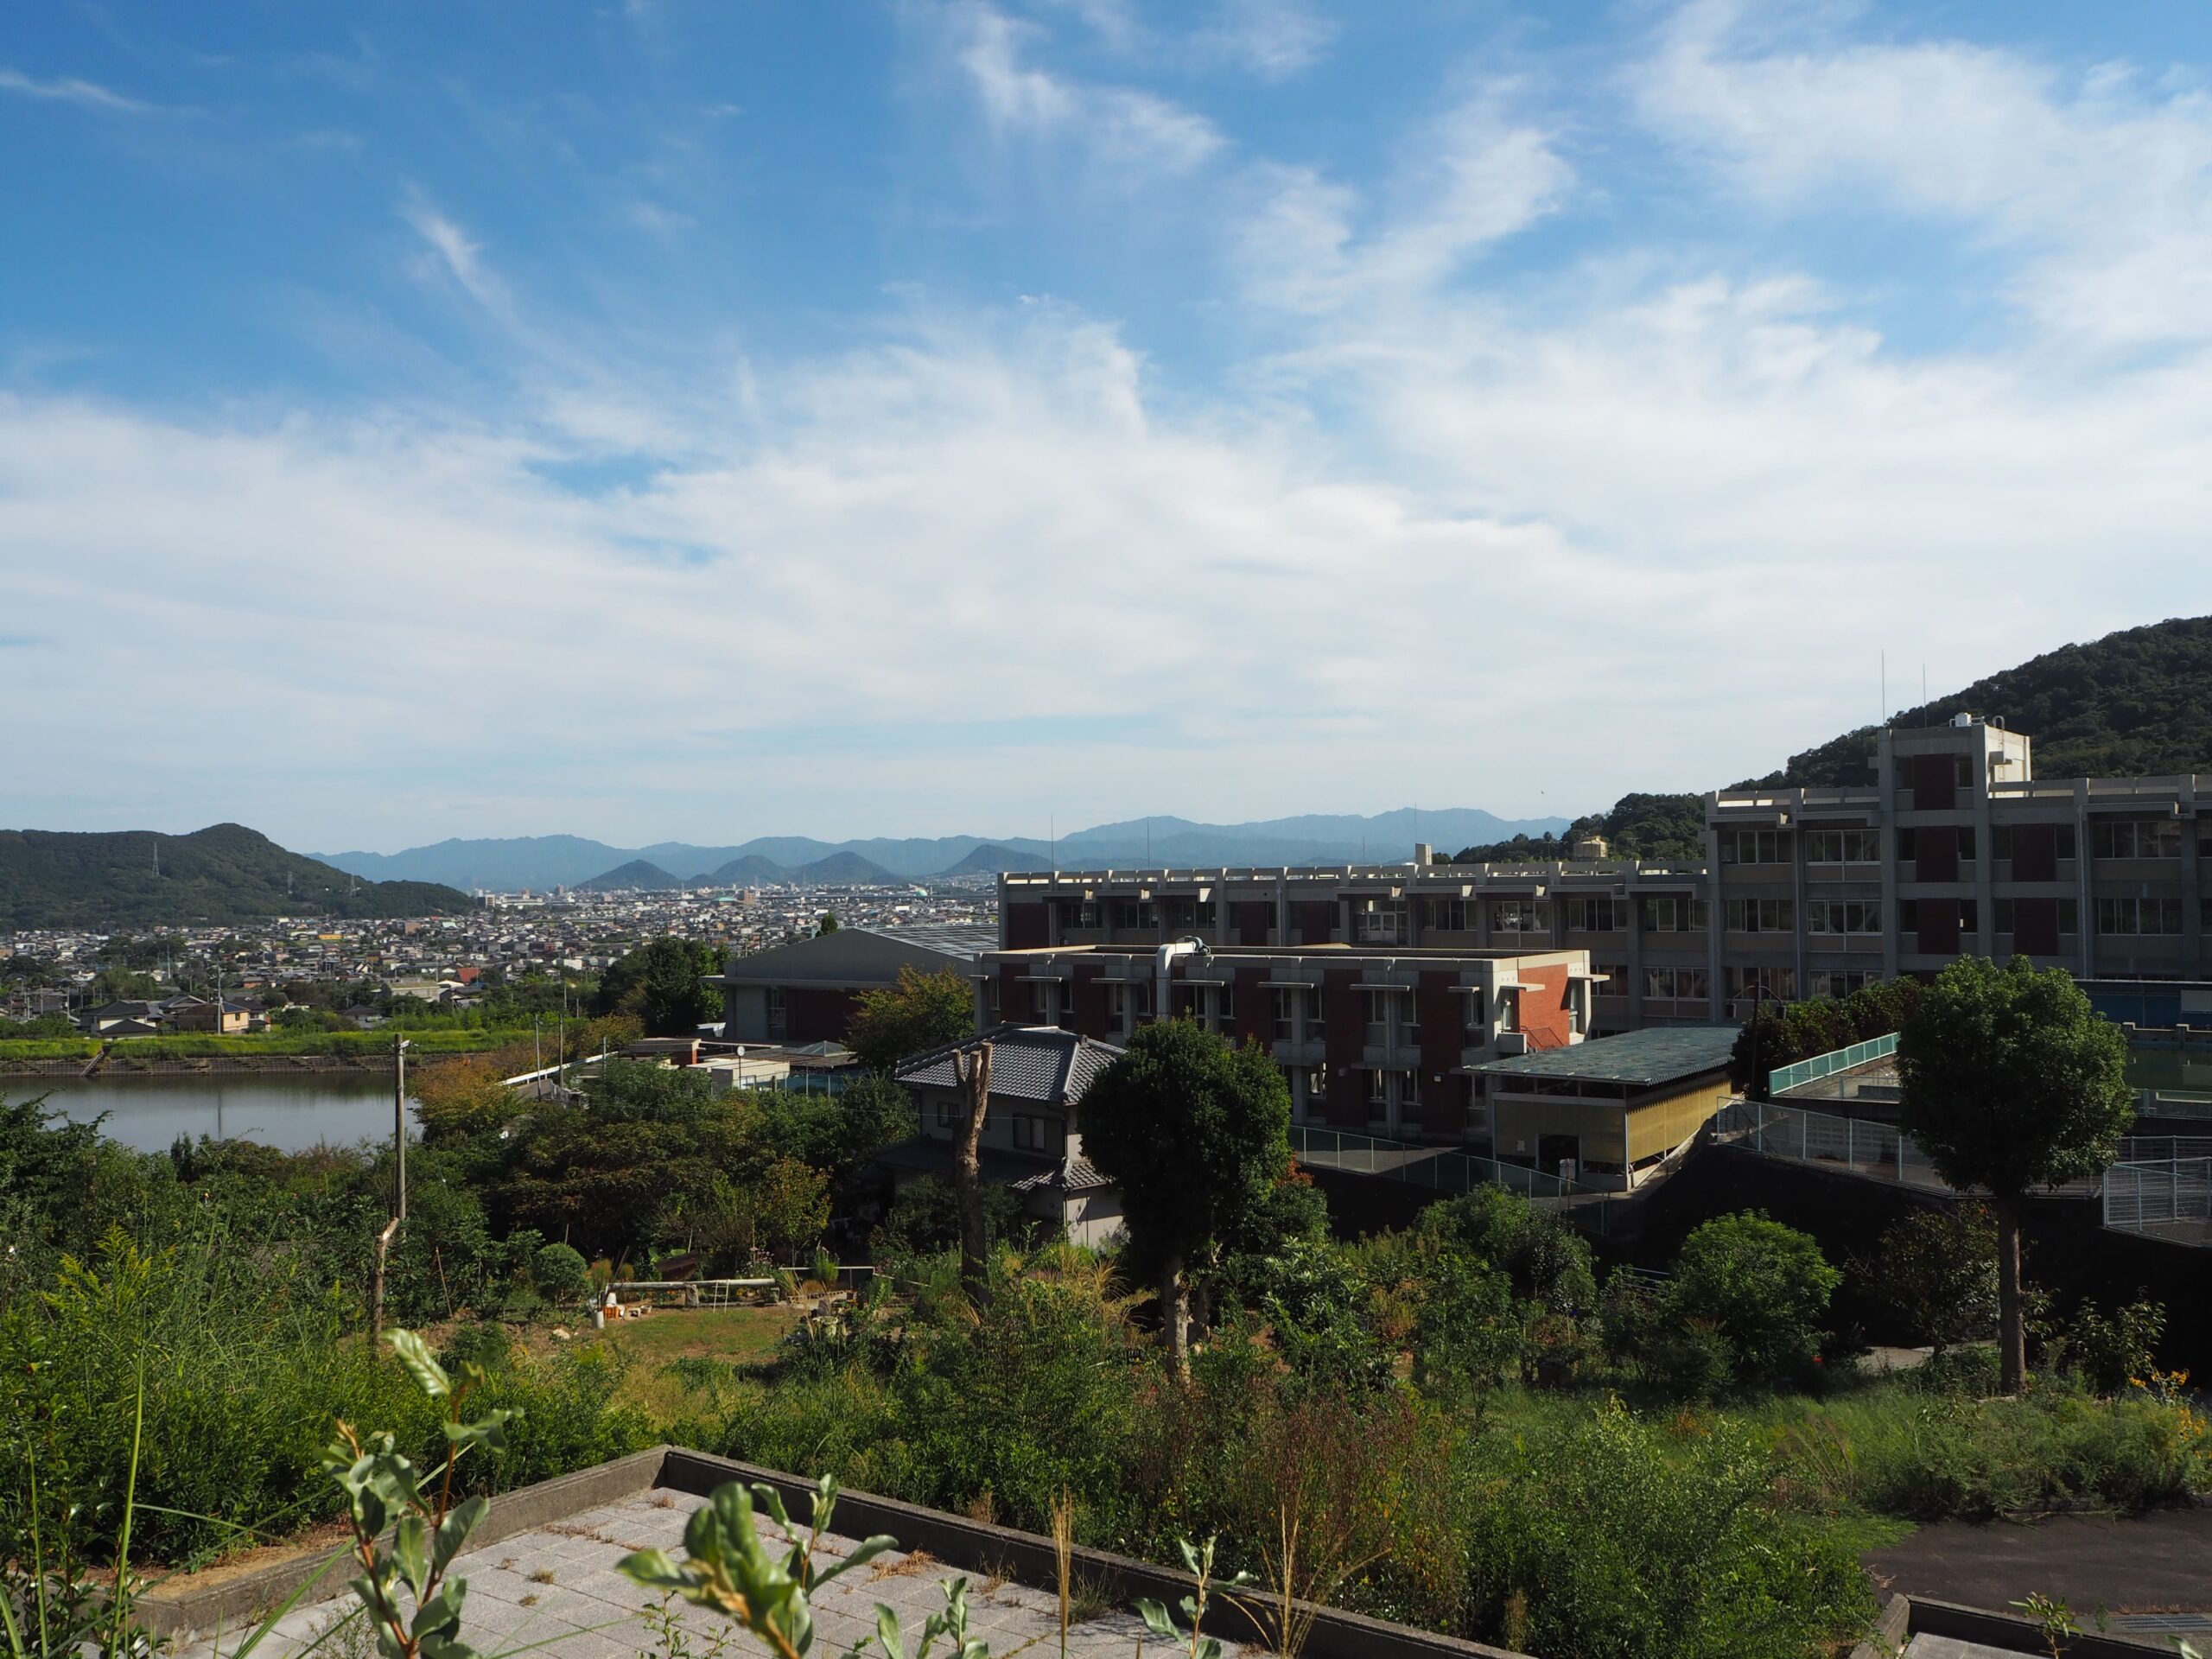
(224, 873)
(541, 862)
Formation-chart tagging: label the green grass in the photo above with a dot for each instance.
(649, 1346)
(279, 1043)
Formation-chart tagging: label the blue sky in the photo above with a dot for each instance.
(701, 420)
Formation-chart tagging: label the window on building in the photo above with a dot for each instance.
(1378, 921)
(1908, 846)
(1670, 913)
(1762, 916)
(1677, 984)
(1962, 771)
(780, 1019)
(1032, 1134)
(1615, 982)
(2066, 845)
(1445, 915)
(2124, 916)
(1969, 915)
(1378, 1018)
(1181, 911)
(1843, 846)
(1042, 1001)
(1379, 1092)
(1754, 847)
(1966, 843)
(1225, 1007)
(1286, 999)
(2070, 916)
(1408, 1007)
(1138, 914)
(1848, 916)
(2135, 838)
(948, 1115)
(1595, 915)
(1842, 981)
(1079, 913)
(1772, 984)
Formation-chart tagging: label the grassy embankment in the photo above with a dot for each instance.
(275, 1044)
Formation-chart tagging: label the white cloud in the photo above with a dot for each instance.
(1120, 127)
(1274, 39)
(68, 89)
(2100, 184)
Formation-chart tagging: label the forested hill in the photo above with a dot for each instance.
(2133, 704)
(224, 873)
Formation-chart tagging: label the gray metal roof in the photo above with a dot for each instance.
(1662, 1054)
(1040, 1063)
(964, 941)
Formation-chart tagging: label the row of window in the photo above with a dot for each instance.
(1777, 984)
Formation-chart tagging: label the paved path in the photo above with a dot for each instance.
(557, 1586)
(2158, 1563)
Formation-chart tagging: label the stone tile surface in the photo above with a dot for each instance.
(555, 1591)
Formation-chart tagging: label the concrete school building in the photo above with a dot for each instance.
(1953, 846)
(805, 992)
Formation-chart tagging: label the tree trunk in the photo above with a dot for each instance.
(1175, 1314)
(2011, 1333)
(975, 1074)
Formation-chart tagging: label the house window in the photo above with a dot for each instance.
(2135, 838)
(2124, 916)
(780, 1019)
(1753, 847)
(1677, 984)
(1843, 846)
(1762, 916)
(1858, 916)
(1767, 984)
(1445, 915)
(1030, 1133)
(1600, 915)
(1838, 982)
(948, 1115)
(1673, 914)
(1519, 916)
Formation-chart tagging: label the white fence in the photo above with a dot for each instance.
(2175, 1195)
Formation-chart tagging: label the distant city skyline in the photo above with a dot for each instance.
(660, 421)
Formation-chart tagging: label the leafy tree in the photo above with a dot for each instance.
(45, 1025)
(828, 924)
(2012, 1081)
(1936, 1270)
(923, 1011)
(665, 985)
(1197, 1134)
(1467, 1335)
(791, 1201)
(1763, 1289)
(1548, 1263)
(923, 1219)
(560, 1272)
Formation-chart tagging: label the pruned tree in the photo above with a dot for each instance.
(2011, 1082)
(1197, 1134)
(974, 1070)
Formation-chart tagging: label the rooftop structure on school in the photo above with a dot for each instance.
(1952, 846)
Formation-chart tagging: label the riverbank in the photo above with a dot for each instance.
(365, 1051)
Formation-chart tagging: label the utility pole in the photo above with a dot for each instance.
(399, 1131)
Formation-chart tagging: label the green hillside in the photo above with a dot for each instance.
(224, 873)
(2133, 704)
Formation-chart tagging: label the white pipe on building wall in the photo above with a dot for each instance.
(1162, 964)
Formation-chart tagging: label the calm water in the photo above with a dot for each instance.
(287, 1111)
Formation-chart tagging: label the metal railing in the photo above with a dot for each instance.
(1828, 1064)
(2172, 1197)
(1796, 1136)
(1440, 1167)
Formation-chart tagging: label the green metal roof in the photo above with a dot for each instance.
(1663, 1054)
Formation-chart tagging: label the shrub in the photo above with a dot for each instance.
(1761, 1288)
(1612, 1536)
(560, 1273)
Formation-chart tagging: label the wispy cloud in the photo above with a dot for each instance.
(1274, 39)
(1121, 126)
(454, 256)
(68, 89)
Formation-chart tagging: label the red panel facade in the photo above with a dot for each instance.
(1028, 926)
(1935, 854)
(1347, 1024)
(1443, 1092)
(1253, 921)
(1939, 927)
(1313, 921)
(2035, 923)
(812, 1015)
(1016, 995)
(1544, 1005)
(1087, 1000)
(1935, 785)
(2035, 856)
(1254, 1006)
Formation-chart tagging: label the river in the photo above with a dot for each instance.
(291, 1111)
